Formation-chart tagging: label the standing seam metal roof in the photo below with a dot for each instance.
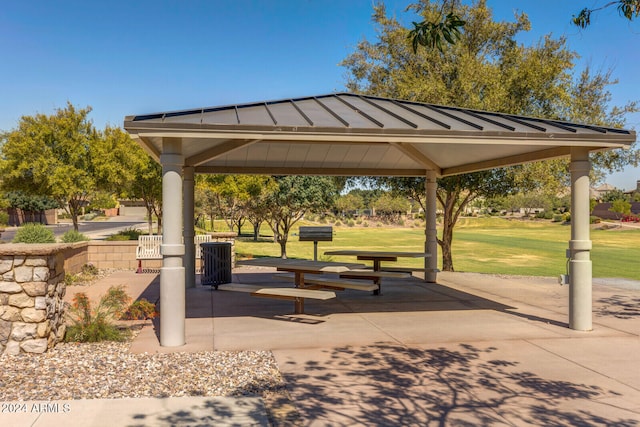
(351, 111)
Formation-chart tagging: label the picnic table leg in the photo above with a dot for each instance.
(378, 281)
(299, 283)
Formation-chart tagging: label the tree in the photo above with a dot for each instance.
(296, 196)
(30, 205)
(350, 202)
(391, 207)
(621, 207)
(448, 26)
(260, 190)
(486, 70)
(146, 185)
(613, 195)
(51, 155)
(62, 156)
(629, 9)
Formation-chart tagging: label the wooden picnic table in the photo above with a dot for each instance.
(378, 256)
(300, 267)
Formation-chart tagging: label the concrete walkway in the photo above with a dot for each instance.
(471, 350)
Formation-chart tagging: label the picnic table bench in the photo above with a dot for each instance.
(322, 281)
(297, 295)
(339, 283)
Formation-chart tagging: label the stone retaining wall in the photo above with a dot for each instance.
(32, 286)
(31, 297)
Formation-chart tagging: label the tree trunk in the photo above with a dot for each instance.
(449, 220)
(283, 246)
(150, 220)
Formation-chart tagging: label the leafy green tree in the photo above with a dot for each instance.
(63, 157)
(621, 207)
(230, 195)
(261, 189)
(295, 197)
(447, 25)
(349, 202)
(32, 206)
(629, 9)
(146, 185)
(391, 207)
(486, 69)
(613, 195)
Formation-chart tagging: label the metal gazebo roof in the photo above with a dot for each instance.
(349, 134)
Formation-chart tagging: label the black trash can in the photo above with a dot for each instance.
(216, 263)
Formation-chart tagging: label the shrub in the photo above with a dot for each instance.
(557, 218)
(126, 234)
(34, 233)
(594, 219)
(350, 223)
(337, 223)
(70, 279)
(93, 325)
(89, 270)
(141, 309)
(567, 217)
(4, 218)
(73, 236)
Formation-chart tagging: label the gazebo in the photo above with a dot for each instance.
(354, 135)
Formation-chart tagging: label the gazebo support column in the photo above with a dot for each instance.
(431, 241)
(580, 270)
(172, 273)
(189, 229)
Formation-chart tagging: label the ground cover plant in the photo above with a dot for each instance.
(93, 324)
(90, 323)
(483, 245)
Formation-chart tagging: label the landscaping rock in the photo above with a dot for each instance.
(36, 262)
(35, 289)
(10, 287)
(33, 315)
(22, 331)
(41, 274)
(10, 314)
(23, 274)
(21, 300)
(5, 331)
(39, 345)
(6, 264)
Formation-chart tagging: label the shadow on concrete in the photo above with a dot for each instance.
(400, 295)
(384, 385)
(212, 412)
(618, 306)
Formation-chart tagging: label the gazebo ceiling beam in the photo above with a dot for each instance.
(217, 151)
(149, 147)
(301, 170)
(418, 156)
(508, 161)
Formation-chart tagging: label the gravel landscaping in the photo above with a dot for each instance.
(108, 370)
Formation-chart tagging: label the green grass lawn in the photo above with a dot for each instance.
(483, 245)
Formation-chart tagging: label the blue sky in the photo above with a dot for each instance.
(134, 57)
